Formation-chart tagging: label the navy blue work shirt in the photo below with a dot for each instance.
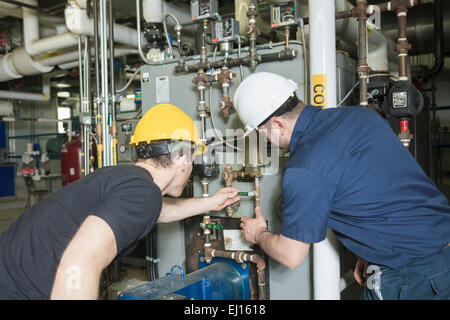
(350, 172)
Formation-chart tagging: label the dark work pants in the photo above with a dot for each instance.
(422, 279)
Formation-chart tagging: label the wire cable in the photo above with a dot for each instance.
(129, 81)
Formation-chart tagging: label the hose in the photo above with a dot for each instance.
(129, 81)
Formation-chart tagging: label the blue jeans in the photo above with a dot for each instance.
(423, 279)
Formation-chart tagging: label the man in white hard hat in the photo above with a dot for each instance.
(350, 172)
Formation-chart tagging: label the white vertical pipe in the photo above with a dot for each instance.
(322, 44)
(152, 10)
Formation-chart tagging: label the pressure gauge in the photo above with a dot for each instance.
(225, 30)
(204, 10)
(285, 14)
(122, 148)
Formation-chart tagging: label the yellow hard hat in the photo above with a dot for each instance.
(167, 122)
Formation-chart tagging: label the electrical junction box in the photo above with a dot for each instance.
(204, 10)
(285, 14)
(225, 30)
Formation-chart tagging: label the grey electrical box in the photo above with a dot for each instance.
(204, 10)
(285, 14)
(225, 30)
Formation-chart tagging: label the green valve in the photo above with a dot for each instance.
(213, 226)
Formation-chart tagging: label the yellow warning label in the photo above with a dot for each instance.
(319, 90)
(52, 54)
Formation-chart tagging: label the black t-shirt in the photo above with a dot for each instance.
(125, 197)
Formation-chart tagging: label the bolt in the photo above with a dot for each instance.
(244, 266)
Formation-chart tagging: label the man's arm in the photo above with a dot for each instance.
(175, 209)
(288, 252)
(92, 249)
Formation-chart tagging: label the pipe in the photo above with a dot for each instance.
(34, 45)
(113, 85)
(421, 27)
(322, 41)
(438, 41)
(245, 61)
(228, 176)
(105, 103)
(18, 95)
(152, 10)
(97, 61)
(44, 18)
(347, 280)
(178, 31)
(6, 108)
(257, 192)
(138, 24)
(380, 48)
(253, 32)
(241, 257)
(78, 22)
(362, 68)
(97, 109)
(402, 46)
(224, 77)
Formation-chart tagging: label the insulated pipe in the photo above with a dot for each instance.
(6, 108)
(18, 95)
(33, 44)
(78, 22)
(138, 24)
(322, 45)
(15, 11)
(152, 10)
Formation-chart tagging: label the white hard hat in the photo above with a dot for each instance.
(260, 95)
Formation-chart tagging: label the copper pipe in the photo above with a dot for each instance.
(258, 192)
(229, 175)
(241, 257)
(363, 68)
(224, 77)
(262, 284)
(238, 256)
(402, 47)
(286, 36)
(207, 245)
(253, 31)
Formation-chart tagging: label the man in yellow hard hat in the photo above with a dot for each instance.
(59, 247)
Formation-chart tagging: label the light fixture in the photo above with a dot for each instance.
(63, 94)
